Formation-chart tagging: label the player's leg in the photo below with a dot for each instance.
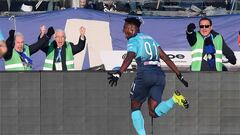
(138, 95)
(180, 99)
(152, 104)
(157, 107)
(137, 117)
(165, 106)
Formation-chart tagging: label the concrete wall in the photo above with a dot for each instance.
(82, 103)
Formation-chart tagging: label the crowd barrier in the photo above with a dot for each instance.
(82, 103)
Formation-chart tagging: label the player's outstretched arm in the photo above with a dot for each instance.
(115, 75)
(171, 65)
(127, 61)
(168, 61)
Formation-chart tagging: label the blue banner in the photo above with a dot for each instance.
(168, 31)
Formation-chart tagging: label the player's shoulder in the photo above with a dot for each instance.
(134, 39)
(144, 36)
(137, 37)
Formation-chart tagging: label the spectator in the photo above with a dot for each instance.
(82, 3)
(59, 53)
(90, 5)
(3, 48)
(122, 6)
(228, 4)
(136, 7)
(109, 6)
(106, 6)
(18, 53)
(208, 47)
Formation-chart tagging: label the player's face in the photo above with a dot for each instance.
(128, 30)
(205, 27)
(19, 43)
(60, 38)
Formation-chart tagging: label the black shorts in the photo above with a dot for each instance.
(149, 82)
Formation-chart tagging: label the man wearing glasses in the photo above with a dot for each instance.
(208, 47)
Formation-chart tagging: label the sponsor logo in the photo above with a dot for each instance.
(124, 56)
(173, 56)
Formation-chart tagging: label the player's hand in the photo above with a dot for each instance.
(191, 27)
(180, 77)
(113, 77)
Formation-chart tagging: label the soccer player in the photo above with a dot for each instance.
(150, 80)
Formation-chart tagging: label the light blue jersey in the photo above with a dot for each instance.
(145, 48)
(1, 36)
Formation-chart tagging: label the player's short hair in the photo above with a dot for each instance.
(134, 20)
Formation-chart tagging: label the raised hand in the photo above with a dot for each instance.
(43, 31)
(82, 31)
(191, 27)
(11, 33)
(50, 32)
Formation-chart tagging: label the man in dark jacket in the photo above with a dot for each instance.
(208, 47)
(59, 53)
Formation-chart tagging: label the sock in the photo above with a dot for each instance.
(138, 122)
(164, 107)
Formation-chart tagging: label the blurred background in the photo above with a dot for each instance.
(139, 7)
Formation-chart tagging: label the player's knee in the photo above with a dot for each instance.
(153, 114)
(152, 104)
(135, 105)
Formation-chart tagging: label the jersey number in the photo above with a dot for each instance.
(149, 50)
